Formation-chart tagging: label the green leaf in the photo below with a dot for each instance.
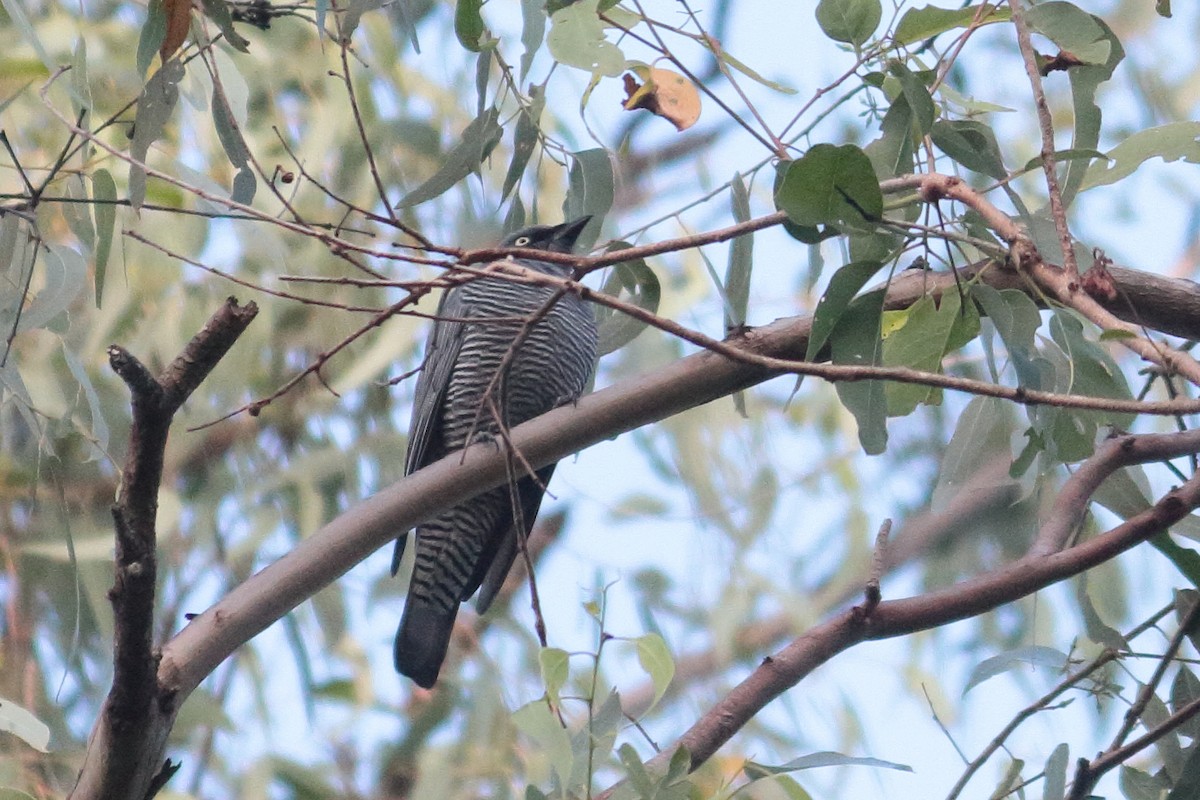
(1056, 774)
(244, 182)
(830, 185)
(856, 341)
(849, 21)
(917, 95)
(1138, 785)
(892, 153)
(752, 75)
(475, 144)
(533, 31)
(755, 770)
(591, 192)
(843, 286)
(155, 106)
(1062, 156)
(919, 24)
(741, 258)
(104, 190)
(16, 13)
(81, 90)
(655, 659)
(1072, 29)
(218, 12)
(1175, 141)
(639, 779)
(970, 143)
(1022, 658)
(25, 726)
(983, 429)
(79, 218)
(920, 336)
(98, 426)
(555, 666)
(632, 281)
(525, 139)
(468, 24)
(536, 721)
(65, 276)
(152, 36)
(576, 39)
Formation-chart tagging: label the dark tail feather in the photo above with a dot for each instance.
(422, 640)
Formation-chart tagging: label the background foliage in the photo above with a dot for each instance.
(700, 543)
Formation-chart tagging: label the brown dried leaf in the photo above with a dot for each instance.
(665, 93)
(179, 19)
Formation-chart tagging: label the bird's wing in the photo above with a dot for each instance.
(424, 431)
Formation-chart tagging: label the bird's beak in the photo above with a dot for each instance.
(565, 235)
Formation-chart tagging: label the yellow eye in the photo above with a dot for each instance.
(520, 241)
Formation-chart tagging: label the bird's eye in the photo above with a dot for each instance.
(520, 241)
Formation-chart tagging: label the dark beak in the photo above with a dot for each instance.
(565, 235)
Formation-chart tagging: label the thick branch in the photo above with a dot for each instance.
(121, 760)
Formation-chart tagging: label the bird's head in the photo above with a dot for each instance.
(554, 238)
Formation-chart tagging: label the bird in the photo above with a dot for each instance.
(472, 545)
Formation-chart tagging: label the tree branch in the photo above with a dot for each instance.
(890, 619)
(113, 766)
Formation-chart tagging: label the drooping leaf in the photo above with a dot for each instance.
(970, 143)
(849, 21)
(983, 429)
(533, 30)
(843, 286)
(218, 12)
(634, 282)
(917, 95)
(741, 258)
(475, 144)
(154, 32)
(244, 182)
(830, 185)
(856, 341)
(155, 106)
(525, 139)
(591, 192)
(892, 153)
(98, 426)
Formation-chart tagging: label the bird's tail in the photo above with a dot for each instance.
(422, 640)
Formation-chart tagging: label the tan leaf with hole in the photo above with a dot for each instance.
(665, 93)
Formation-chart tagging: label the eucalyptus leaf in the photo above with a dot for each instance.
(849, 21)
(831, 184)
(476, 143)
